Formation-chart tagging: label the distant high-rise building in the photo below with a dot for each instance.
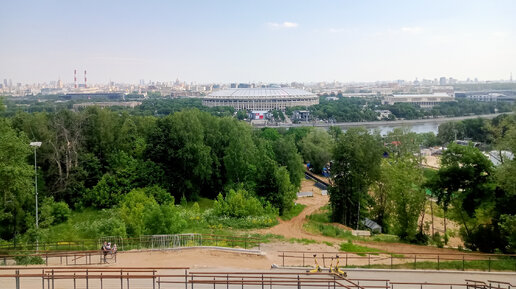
(244, 85)
(442, 81)
(5, 82)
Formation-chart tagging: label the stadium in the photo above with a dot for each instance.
(261, 98)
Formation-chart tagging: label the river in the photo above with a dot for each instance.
(416, 125)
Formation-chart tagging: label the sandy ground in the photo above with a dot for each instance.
(294, 227)
(194, 258)
(451, 226)
(432, 161)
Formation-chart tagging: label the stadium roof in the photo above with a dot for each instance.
(261, 93)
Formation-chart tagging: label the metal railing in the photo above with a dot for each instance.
(461, 261)
(143, 242)
(92, 277)
(58, 257)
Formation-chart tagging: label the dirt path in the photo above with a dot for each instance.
(294, 229)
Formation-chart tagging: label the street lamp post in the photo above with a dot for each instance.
(36, 145)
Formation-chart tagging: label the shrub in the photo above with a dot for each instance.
(28, 260)
(53, 213)
(164, 219)
(436, 238)
(132, 210)
(239, 204)
(110, 226)
(61, 212)
(159, 194)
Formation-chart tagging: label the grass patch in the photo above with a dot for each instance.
(352, 248)
(204, 204)
(502, 264)
(327, 230)
(385, 238)
(318, 223)
(328, 243)
(28, 260)
(302, 241)
(429, 173)
(293, 212)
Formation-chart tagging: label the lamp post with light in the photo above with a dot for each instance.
(36, 145)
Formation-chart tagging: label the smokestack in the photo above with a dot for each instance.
(85, 79)
(75, 78)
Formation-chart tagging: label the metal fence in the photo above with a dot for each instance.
(456, 261)
(143, 242)
(57, 258)
(66, 252)
(181, 277)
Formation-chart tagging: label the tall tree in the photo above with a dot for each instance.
(356, 165)
(16, 185)
(316, 148)
(178, 145)
(465, 184)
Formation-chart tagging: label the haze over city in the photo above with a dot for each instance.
(259, 41)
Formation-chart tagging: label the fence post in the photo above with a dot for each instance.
(323, 263)
(438, 262)
(368, 259)
(462, 262)
(262, 281)
(415, 260)
(101, 280)
(53, 280)
(153, 279)
(303, 259)
(121, 280)
(391, 261)
(186, 279)
(17, 279)
(74, 282)
(298, 282)
(489, 264)
(43, 279)
(87, 281)
(283, 255)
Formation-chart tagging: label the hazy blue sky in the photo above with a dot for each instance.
(268, 41)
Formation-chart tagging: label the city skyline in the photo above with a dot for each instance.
(226, 41)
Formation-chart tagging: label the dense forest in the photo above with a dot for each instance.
(136, 174)
(341, 110)
(363, 109)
